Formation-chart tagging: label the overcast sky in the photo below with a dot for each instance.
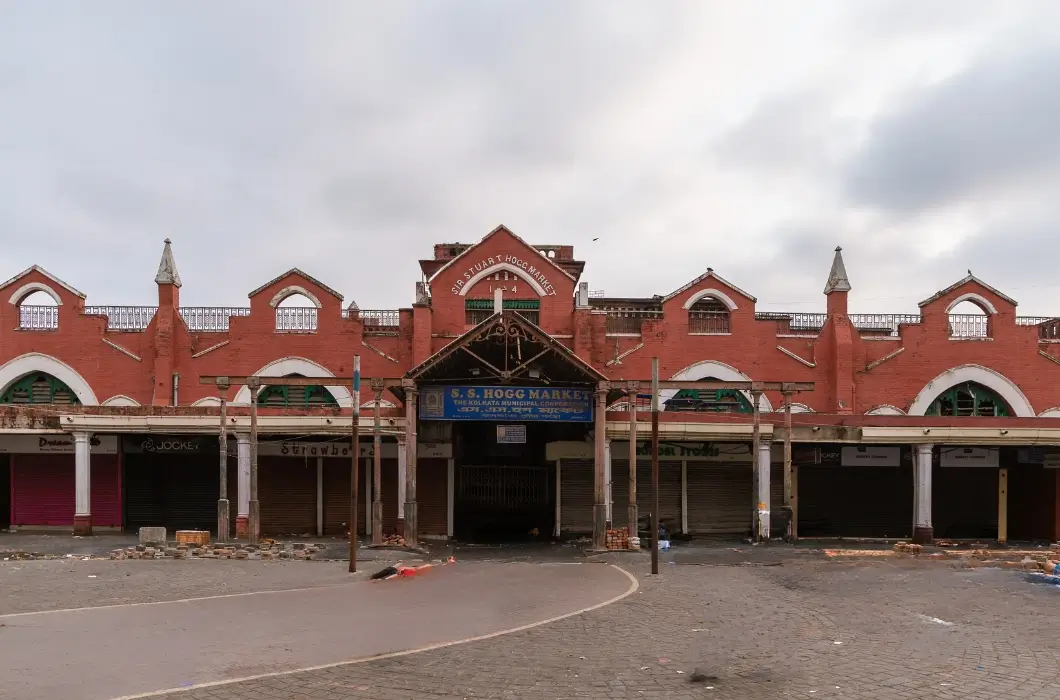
(347, 137)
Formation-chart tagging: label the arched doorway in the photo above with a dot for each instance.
(964, 493)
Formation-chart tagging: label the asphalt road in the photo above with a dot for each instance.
(131, 648)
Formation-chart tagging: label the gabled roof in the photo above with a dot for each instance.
(509, 317)
(837, 276)
(708, 275)
(167, 267)
(970, 278)
(41, 270)
(296, 272)
(491, 234)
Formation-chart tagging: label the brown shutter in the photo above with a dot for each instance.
(777, 526)
(287, 493)
(669, 491)
(337, 495)
(576, 484)
(432, 495)
(720, 498)
(390, 495)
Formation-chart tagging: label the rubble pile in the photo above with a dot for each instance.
(907, 548)
(394, 541)
(618, 539)
(267, 550)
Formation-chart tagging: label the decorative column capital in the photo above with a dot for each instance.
(82, 436)
(243, 438)
(925, 451)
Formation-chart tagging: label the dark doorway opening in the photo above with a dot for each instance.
(503, 492)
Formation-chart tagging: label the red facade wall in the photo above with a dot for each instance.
(853, 372)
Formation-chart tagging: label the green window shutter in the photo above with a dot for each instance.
(39, 388)
(487, 304)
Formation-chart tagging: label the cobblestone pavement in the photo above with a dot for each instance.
(881, 630)
(898, 630)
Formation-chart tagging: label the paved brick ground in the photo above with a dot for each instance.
(834, 630)
(880, 630)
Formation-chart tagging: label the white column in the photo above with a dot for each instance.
(764, 454)
(402, 466)
(451, 495)
(243, 476)
(607, 480)
(82, 476)
(684, 496)
(320, 496)
(923, 531)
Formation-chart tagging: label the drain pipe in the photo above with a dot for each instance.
(176, 386)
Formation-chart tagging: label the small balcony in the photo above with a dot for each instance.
(629, 321)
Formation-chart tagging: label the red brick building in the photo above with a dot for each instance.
(937, 424)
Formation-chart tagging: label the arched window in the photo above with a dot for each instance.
(38, 311)
(708, 316)
(296, 396)
(968, 399)
(969, 320)
(38, 388)
(296, 313)
(709, 401)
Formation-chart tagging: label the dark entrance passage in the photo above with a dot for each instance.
(503, 492)
(508, 389)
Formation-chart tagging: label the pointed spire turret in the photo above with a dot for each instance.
(167, 268)
(837, 277)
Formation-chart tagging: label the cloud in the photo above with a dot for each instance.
(990, 128)
(347, 138)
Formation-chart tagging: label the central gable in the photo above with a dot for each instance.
(501, 256)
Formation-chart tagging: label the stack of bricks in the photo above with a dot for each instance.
(618, 539)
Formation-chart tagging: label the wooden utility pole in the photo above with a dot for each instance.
(654, 519)
(356, 459)
(377, 468)
(254, 536)
(222, 500)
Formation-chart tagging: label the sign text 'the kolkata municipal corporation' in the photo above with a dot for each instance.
(506, 403)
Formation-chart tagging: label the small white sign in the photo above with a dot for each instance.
(989, 457)
(55, 444)
(871, 456)
(511, 434)
(434, 450)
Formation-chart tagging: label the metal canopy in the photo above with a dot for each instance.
(506, 349)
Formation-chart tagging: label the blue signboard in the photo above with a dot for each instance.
(506, 403)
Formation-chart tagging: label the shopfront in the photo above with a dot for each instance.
(40, 470)
(174, 481)
(304, 486)
(1034, 495)
(964, 491)
(857, 491)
